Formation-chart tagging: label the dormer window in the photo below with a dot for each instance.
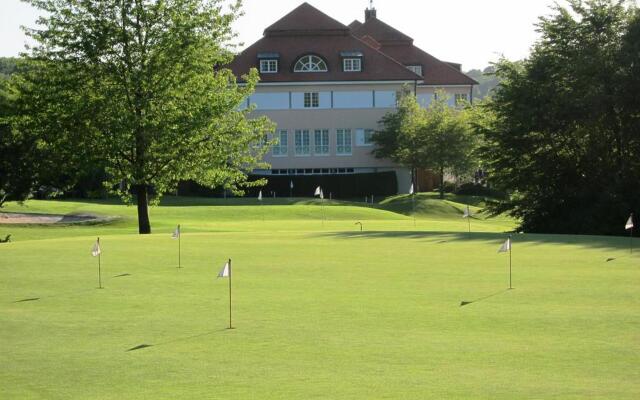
(310, 63)
(351, 61)
(268, 62)
(268, 66)
(416, 69)
(352, 65)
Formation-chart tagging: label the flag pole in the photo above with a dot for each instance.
(99, 267)
(230, 327)
(322, 205)
(469, 218)
(413, 201)
(179, 248)
(510, 246)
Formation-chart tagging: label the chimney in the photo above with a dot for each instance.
(369, 13)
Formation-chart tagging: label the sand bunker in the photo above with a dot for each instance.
(20, 218)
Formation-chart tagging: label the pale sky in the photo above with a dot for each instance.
(471, 32)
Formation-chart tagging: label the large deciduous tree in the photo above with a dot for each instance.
(565, 138)
(437, 138)
(17, 158)
(140, 86)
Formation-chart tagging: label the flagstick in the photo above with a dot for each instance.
(413, 201)
(99, 268)
(179, 248)
(510, 246)
(230, 327)
(469, 221)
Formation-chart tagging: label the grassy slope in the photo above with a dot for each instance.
(215, 215)
(320, 313)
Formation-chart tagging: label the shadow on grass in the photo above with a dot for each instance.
(176, 340)
(66, 294)
(467, 302)
(586, 241)
(30, 299)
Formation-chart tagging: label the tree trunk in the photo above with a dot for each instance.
(442, 183)
(144, 227)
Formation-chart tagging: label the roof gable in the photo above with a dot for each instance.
(306, 20)
(400, 47)
(381, 31)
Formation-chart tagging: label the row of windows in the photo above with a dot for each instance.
(311, 63)
(339, 100)
(312, 171)
(302, 141)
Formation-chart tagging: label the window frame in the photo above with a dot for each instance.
(267, 62)
(351, 61)
(370, 141)
(321, 147)
(413, 67)
(310, 63)
(302, 149)
(460, 98)
(313, 100)
(341, 142)
(281, 149)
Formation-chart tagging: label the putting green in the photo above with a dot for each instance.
(321, 310)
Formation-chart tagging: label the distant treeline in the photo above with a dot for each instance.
(487, 81)
(8, 66)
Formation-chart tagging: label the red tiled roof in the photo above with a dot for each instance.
(306, 19)
(306, 30)
(381, 32)
(400, 47)
(355, 24)
(435, 72)
(376, 66)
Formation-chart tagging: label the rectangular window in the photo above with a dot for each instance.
(311, 100)
(280, 148)
(352, 65)
(268, 66)
(417, 69)
(368, 136)
(321, 142)
(343, 141)
(460, 98)
(302, 142)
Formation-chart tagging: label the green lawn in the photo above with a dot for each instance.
(321, 309)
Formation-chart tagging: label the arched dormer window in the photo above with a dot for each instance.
(310, 63)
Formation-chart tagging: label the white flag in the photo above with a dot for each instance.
(411, 189)
(260, 195)
(176, 233)
(506, 246)
(467, 213)
(318, 191)
(629, 224)
(225, 271)
(291, 184)
(95, 251)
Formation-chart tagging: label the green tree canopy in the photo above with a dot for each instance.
(565, 136)
(141, 87)
(436, 138)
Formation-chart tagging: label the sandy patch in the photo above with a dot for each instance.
(21, 218)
